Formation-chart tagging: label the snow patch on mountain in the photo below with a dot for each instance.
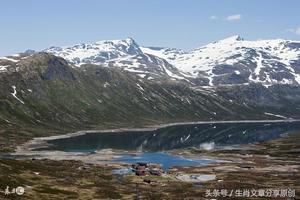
(12, 58)
(3, 68)
(14, 94)
(279, 116)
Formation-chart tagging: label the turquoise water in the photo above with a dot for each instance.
(164, 159)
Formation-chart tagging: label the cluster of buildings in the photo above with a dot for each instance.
(141, 169)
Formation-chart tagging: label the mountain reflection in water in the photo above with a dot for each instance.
(178, 136)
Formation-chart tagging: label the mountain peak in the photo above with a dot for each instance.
(233, 38)
(127, 42)
(130, 40)
(98, 52)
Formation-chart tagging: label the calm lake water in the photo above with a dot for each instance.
(151, 144)
(176, 137)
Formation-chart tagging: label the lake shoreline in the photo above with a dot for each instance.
(41, 142)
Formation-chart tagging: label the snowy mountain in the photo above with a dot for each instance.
(125, 54)
(237, 61)
(229, 61)
(97, 53)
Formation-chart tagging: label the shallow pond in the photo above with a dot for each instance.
(166, 160)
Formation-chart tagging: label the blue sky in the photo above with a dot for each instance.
(186, 24)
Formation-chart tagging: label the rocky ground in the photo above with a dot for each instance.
(272, 165)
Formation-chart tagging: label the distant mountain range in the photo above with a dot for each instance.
(229, 61)
(118, 83)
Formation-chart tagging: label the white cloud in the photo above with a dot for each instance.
(296, 30)
(236, 17)
(213, 17)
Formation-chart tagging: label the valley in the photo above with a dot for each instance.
(236, 105)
